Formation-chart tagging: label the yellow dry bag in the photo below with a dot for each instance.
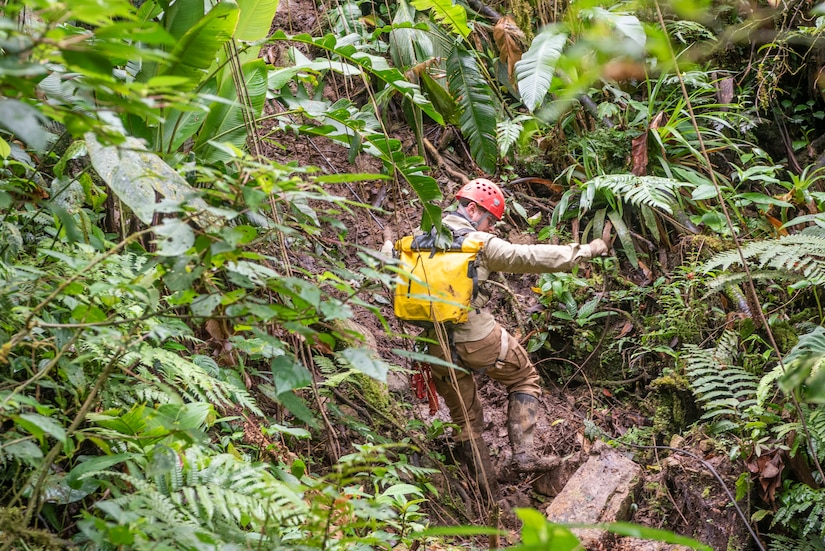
(436, 284)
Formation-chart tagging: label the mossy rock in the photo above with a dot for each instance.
(673, 403)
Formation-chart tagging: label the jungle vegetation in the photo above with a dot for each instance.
(153, 315)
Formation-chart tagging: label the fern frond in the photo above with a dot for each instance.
(800, 254)
(325, 365)
(736, 278)
(192, 380)
(507, 133)
(652, 191)
(721, 387)
(147, 499)
(767, 388)
(337, 379)
(801, 509)
(815, 421)
(779, 542)
(225, 497)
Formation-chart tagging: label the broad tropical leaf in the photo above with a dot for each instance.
(479, 107)
(444, 11)
(180, 124)
(403, 37)
(197, 49)
(624, 236)
(135, 174)
(225, 122)
(625, 26)
(534, 71)
(24, 122)
(181, 16)
(442, 100)
(254, 22)
(255, 19)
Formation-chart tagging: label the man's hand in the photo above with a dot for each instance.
(601, 247)
(598, 248)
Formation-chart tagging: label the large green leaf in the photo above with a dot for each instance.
(444, 11)
(24, 122)
(182, 15)
(225, 122)
(197, 49)
(180, 124)
(443, 101)
(256, 19)
(624, 236)
(40, 425)
(135, 174)
(534, 70)
(254, 24)
(174, 237)
(478, 107)
(367, 362)
(627, 28)
(177, 18)
(404, 38)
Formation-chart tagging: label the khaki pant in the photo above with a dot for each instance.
(515, 371)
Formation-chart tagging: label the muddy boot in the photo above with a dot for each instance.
(477, 459)
(521, 421)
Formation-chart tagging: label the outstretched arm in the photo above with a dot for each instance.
(503, 256)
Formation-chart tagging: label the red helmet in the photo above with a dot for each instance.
(486, 194)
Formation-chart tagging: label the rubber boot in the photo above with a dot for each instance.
(521, 422)
(476, 456)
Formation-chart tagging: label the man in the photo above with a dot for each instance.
(483, 345)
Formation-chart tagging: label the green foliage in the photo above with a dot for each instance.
(803, 373)
(370, 64)
(778, 542)
(147, 304)
(651, 191)
(722, 387)
(801, 509)
(197, 496)
(604, 151)
(444, 11)
(560, 293)
(789, 257)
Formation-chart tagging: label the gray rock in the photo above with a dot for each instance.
(601, 491)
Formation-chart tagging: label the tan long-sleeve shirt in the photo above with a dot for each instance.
(499, 255)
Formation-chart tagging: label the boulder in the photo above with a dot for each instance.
(602, 490)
